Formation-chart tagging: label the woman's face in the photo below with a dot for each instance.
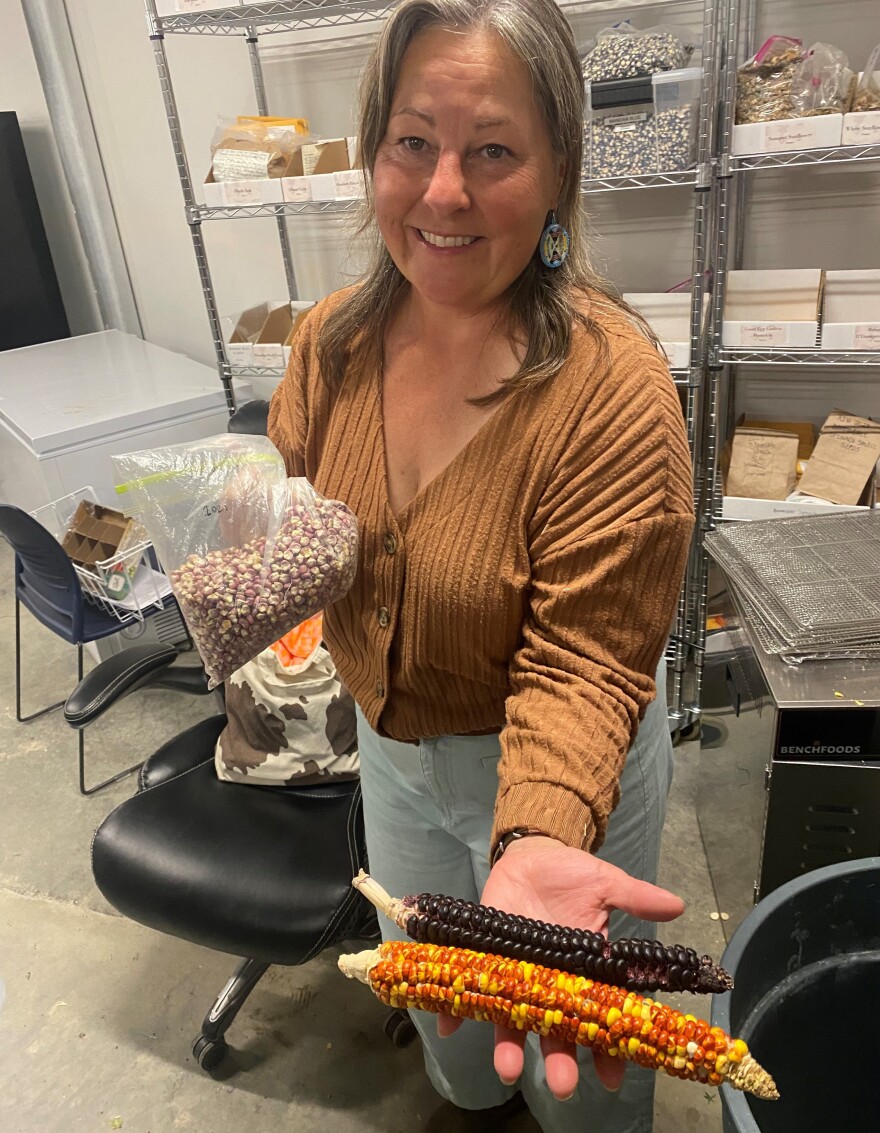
(465, 175)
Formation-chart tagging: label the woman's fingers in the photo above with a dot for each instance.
(560, 1066)
(609, 1071)
(640, 898)
(509, 1054)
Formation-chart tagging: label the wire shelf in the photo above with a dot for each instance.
(834, 156)
(742, 356)
(282, 208)
(281, 15)
(257, 371)
(639, 181)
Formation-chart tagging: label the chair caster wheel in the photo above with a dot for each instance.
(209, 1053)
(400, 1029)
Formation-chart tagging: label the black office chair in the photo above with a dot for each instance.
(263, 873)
(259, 872)
(47, 585)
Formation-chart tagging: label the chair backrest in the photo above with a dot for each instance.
(252, 417)
(45, 581)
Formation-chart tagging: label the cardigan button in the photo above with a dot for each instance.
(389, 543)
(384, 616)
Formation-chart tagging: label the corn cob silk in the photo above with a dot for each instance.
(638, 965)
(524, 996)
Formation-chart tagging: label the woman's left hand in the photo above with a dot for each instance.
(542, 878)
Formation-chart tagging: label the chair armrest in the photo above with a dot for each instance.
(113, 679)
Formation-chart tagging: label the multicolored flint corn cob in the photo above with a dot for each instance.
(637, 965)
(528, 997)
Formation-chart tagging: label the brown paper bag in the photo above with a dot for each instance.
(843, 460)
(763, 464)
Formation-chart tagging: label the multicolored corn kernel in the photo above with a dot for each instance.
(637, 965)
(521, 996)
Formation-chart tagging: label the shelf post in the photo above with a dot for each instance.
(263, 109)
(192, 217)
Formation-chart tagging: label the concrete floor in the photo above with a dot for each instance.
(100, 1012)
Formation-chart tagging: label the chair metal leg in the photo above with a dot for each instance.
(209, 1046)
(81, 739)
(43, 711)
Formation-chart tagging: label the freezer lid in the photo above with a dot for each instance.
(78, 391)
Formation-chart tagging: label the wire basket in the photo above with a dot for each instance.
(126, 585)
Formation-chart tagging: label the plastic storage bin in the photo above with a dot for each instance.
(806, 962)
(643, 125)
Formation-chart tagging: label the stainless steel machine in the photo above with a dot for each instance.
(795, 782)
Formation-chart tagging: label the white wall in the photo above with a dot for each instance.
(21, 91)
(643, 239)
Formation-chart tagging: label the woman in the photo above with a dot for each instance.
(513, 448)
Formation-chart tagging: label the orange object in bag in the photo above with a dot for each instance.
(296, 647)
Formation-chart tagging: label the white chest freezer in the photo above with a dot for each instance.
(66, 407)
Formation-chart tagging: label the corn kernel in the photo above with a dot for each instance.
(613, 1015)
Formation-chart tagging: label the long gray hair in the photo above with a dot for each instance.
(542, 304)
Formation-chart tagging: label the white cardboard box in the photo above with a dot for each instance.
(323, 186)
(349, 184)
(177, 7)
(769, 308)
(822, 131)
(669, 315)
(852, 310)
(861, 128)
(259, 191)
(297, 190)
(744, 508)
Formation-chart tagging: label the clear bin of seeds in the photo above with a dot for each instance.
(642, 125)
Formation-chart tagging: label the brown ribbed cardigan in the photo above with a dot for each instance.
(530, 587)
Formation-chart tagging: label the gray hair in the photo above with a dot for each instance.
(542, 304)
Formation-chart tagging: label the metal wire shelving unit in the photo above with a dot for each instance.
(733, 175)
(253, 21)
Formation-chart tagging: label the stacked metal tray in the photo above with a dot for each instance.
(809, 584)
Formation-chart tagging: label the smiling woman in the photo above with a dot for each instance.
(513, 447)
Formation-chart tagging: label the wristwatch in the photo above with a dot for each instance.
(512, 836)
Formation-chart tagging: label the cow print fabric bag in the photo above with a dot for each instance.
(288, 725)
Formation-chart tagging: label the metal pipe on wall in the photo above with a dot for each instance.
(55, 53)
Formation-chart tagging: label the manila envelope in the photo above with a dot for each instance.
(843, 460)
(763, 464)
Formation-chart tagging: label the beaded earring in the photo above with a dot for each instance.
(555, 243)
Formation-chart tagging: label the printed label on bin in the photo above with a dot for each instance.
(790, 134)
(243, 192)
(763, 334)
(861, 129)
(198, 5)
(867, 336)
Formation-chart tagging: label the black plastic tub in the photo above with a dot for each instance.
(806, 965)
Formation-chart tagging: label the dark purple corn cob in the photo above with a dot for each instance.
(637, 965)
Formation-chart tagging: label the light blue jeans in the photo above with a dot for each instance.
(428, 813)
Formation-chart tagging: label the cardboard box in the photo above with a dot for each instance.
(851, 311)
(324, 171)
(669, 315)
(247, 332)
(178, 7)
(96, 534)
(269, 347)
(746, 510)
(842, 467)
(766, 309)
(299, 308)
(821, 131)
